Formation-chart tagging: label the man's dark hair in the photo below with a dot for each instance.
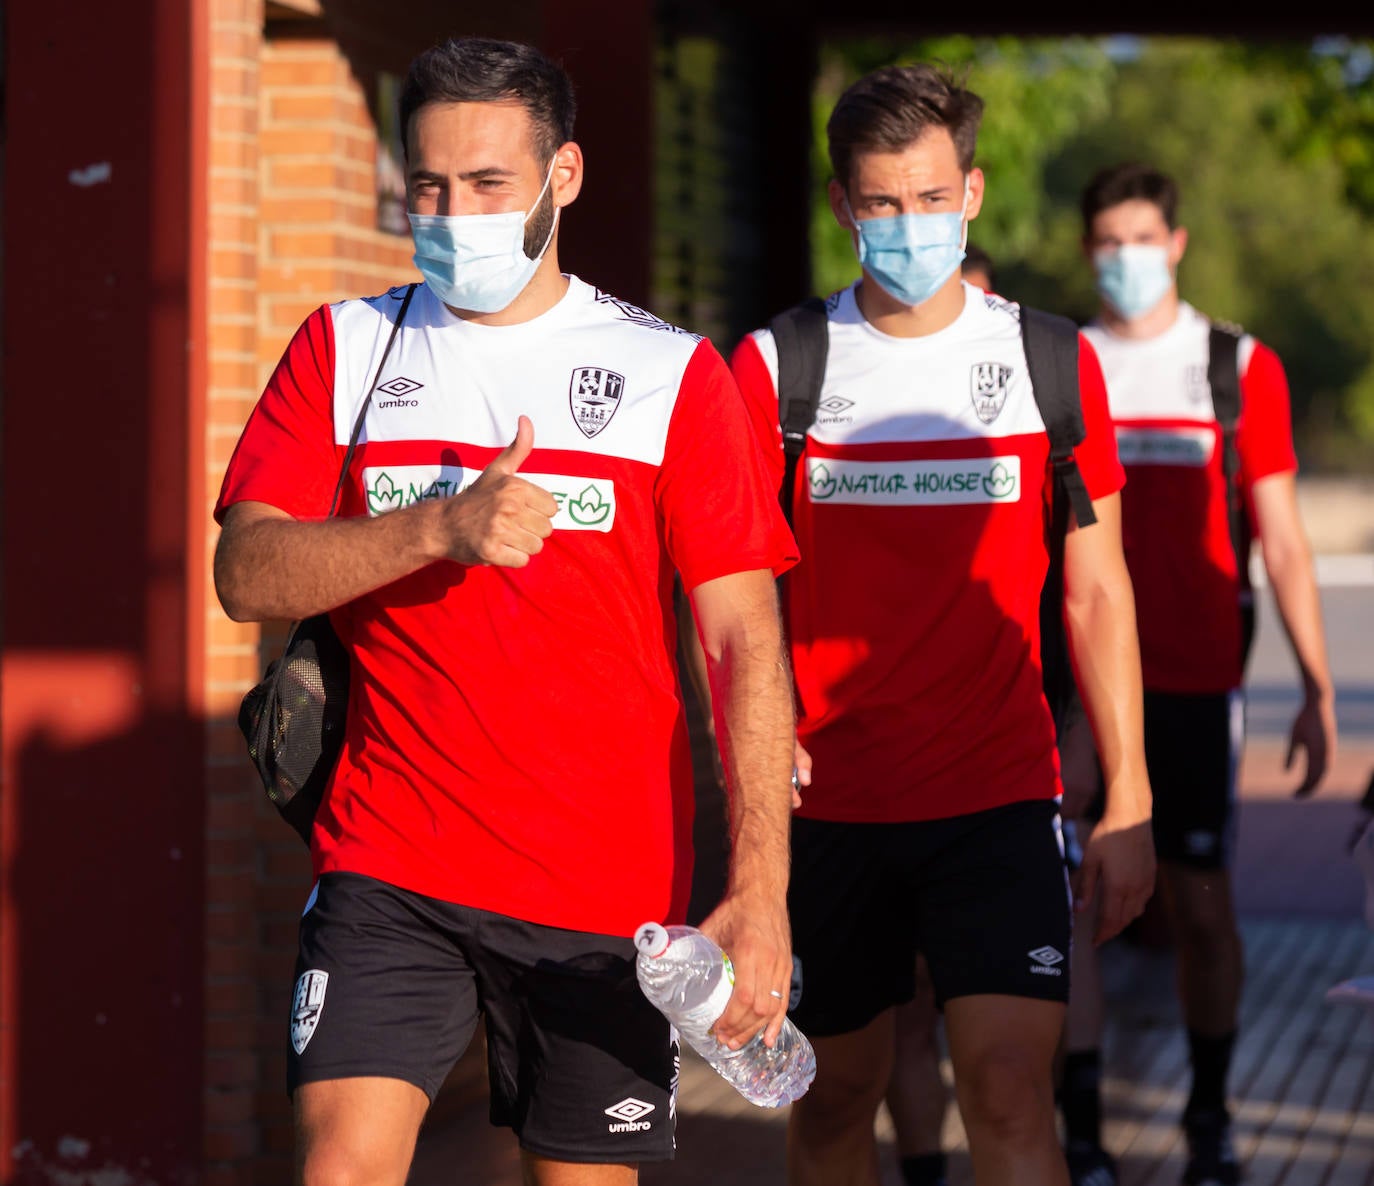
(1129, 182)
(892, 108)
(482, 70)
(975, 258)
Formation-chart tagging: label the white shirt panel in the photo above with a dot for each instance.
(967, 381)
(594, 375)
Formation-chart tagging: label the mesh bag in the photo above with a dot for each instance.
(293, 721)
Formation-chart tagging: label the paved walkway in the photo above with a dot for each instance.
(1304, 1074)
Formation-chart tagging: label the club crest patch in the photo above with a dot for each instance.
(594, 394)
(988, 388)
(307, 1003)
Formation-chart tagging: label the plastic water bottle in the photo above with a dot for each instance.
(689, 980)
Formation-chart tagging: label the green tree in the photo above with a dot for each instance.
(1273, 148)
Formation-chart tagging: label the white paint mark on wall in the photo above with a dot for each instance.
(96, 174)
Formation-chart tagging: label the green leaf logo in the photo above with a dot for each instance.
(999, 482)
(822, 484)
(382, 495)
(588, 509)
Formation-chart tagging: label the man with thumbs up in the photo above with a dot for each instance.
(534, 461)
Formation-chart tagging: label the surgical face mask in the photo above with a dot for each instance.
(1133, 278)
(912, 255)
(477, 262)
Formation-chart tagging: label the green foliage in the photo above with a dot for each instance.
(1273, 148)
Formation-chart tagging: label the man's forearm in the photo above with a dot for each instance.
(754, 721)
(751, 697)
(279, 568)
(1299, 604)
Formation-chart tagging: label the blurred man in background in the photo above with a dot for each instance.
(1203, 429)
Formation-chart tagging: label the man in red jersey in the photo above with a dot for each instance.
(1187, 539)
(514, 794)
(928, 819)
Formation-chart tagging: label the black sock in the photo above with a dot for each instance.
(1211, 1059)
(926, 1170)
(1080, 1097)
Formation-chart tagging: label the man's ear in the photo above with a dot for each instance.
(1178, 244)
(839, 204)
(567, 174)
(976, 189)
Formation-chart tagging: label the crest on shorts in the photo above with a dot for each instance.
(988, 389)
(307, 1003)
(594, 394)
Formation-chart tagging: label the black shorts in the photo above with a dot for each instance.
(390, 983)
(1193, 744)
(984, 897)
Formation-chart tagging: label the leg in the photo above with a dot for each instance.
(916, 1096)
(1192, 744)
(383, 1006)
(356, 1132)
(830, 1133)
(1003, 1053)
(1210, 957)
(1080, 1072)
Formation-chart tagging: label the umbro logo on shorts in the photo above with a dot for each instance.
(628, 1113)
(307, 1003)
(1045, 960)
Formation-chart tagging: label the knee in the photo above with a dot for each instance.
(1007, 1093)
(840, 1100)
(330, 1165)
(1203, 917)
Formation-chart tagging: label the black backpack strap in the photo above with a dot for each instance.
(1223, 377)
(1051, 345)
(802, 337)
(367, 399)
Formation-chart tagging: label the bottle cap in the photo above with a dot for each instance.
(652, 940)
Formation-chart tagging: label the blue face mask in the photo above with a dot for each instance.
(477, 262)
(912, 255)
(1133, 278)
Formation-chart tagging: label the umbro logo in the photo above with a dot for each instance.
(398, 391)
(629, 1113)
(835, 404)
(1045, 960)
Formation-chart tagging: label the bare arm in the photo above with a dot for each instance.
(1288, 563)
(1100, 610)
(751, 694)
(270, 565)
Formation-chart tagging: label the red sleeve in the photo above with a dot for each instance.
(286, 456)
(1096, 456)
(761, 402)
(1264, 436)
(720, 509)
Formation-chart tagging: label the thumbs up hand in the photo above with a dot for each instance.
(501, 518)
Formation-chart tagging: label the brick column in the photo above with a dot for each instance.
(233, 1080)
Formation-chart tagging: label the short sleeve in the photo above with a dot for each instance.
(761, 403)
(1096, 456)
(1264, 436)
(286, 456)
(720, 508)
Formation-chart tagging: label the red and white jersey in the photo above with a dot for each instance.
(1174, 515)
(920, 510)
(516, 740)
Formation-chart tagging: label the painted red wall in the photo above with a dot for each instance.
(102, 800)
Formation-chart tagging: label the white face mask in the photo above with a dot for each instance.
(477, 262)
(1133, 278)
